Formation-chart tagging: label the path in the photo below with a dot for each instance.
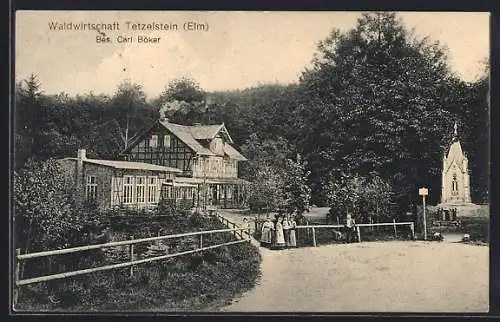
(371, 277)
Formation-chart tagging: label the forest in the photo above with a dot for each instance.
(376, 108)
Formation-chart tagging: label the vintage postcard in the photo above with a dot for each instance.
(189, 161)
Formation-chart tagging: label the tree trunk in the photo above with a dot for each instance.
(126, 132)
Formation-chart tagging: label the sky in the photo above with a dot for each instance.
(236, 50)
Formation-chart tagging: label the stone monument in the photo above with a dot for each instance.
(455, 189)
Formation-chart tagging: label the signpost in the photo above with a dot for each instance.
(424, 192)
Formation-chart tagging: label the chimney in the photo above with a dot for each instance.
(82, 154)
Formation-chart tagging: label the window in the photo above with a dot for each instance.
(152, 186)
(166, 141)
(128, 189)
(454, 185)
(91, 191)
(140, 189)
(166, 191)
(153, 143)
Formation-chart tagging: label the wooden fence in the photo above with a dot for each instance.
(312, 228)
(231, 225)
(21, 257)
(357, 227)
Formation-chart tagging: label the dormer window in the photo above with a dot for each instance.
(153, 143)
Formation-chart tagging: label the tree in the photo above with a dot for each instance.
(382, 101)
(182, 89)
(266, 190)
(129, 100)
(363, 197)
(269, 152)
(183, 101)
(296, 191)
(45, 211)
(27, 111)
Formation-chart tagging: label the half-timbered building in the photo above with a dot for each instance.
(205, 155)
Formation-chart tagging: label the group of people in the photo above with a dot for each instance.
(279, 233)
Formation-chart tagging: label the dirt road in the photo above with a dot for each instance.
(372, 277)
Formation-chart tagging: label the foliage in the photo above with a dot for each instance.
(274, 152)
(130, 100)
(182, 89)
(389, 95)
(45, 211)
(183, 101)
(266, 191)
(362, 197)
(297, 192)
(189, 282)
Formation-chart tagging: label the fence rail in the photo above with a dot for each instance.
(20, 257)
(228, 223)
(119, 243)
(357, 227)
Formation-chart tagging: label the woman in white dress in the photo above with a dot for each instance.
(280, 237)
(266, 231)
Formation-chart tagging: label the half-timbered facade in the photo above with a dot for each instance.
(204, 153)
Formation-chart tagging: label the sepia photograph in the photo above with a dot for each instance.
(250, 162)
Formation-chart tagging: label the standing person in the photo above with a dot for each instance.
(246, 226)
(273, 231)
(349, 228)
(279, 235)
(293, 238)
(286, 230)
(266, 233)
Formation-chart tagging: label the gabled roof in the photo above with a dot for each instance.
(184, 134)
(190, 136)
(455, 155)
(233, 153)
(209, 132)
(128, 165)
(205, 132)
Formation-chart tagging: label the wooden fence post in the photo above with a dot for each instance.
(359, 233)
(201, 241)
(394, 225)
(412, 227)
(15, 294)
(314, 236)
(132, 258)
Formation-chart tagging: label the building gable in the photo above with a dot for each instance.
(158, 145)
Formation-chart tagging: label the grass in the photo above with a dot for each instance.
(190, 282)
(475, 222)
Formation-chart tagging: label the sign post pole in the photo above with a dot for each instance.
(424, 192)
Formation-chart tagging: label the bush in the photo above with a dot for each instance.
(186, 282)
